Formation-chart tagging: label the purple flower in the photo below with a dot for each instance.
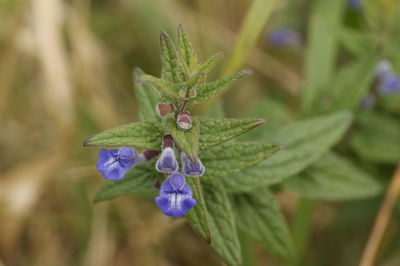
(175, 196)
(283, 37)
(390, 84)
(191, 169)
(167, 162)
(355, 4)
(369, 101)
(113, 164)
(383, 69)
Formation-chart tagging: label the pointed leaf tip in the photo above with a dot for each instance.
(261, 121)
(246, 72)
(163, 34)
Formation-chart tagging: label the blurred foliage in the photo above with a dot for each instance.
(66, 73)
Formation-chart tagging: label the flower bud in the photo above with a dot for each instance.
(167, 162)
(183, 121)
(164, 109)
(190, 168)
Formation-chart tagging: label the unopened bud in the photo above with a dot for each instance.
(183, 121)
(192, 93)
(182, 93)
(190, 168)
(164, 109)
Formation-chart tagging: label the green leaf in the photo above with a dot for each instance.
(145, 134)
(139, 180)
(187, 141)
(322, 51)
(304, 142)
(215, 131)
(252, 27)
(147, 97)
(377, 137)
(277, 114)
(224, 238)
(171, 68)
(355, 41)
(186, 49)
(198, 216)
(258, 216)
(334, 178)
(358, 76)
(211, 89)
(163, 85)
(210, 63)
(233, 157)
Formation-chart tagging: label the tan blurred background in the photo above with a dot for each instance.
(65, 74)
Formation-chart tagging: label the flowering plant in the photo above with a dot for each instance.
(149, 149)
(190, 166)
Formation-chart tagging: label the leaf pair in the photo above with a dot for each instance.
(180, 71)
(206, 132)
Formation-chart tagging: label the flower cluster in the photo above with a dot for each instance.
(175, 194)
(387, 81)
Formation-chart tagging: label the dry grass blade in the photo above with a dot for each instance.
(382, 220)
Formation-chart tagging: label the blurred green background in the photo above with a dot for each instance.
(66, 73)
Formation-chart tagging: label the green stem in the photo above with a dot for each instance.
(247, 250)
(301, 228)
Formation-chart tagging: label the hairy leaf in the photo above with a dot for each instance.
(304, 142)
(171, 68)
(233, 157)
(215, 131)
(334, 178)
(277, 113)
(211, 89)
(187, 141)
(163, 85)
(210, 63)
(139, 180)
(224, 238)
(145, 134)
(147, 97)
(198, 216)
(186, 49)
(258, 216)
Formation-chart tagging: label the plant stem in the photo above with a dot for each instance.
(301, 227)
(382, 220)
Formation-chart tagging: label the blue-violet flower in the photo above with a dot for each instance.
(355, 4)
(283, 37)
(175, 196)
(390, 84)
(113, 164)
(369, 101)
(190, 168)
(383, 69)
(167, 162)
